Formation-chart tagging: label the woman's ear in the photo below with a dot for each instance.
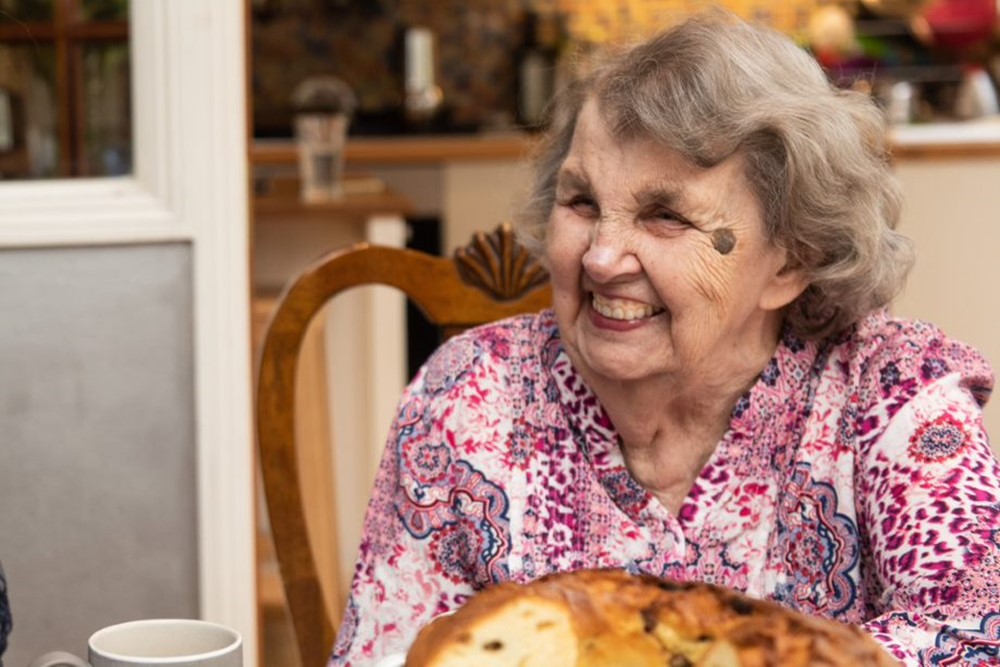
(784, 287)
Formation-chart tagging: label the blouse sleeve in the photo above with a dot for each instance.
(929, 499)
(427, 536)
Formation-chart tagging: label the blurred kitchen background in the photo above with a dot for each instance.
(491, 55)
(64, 66)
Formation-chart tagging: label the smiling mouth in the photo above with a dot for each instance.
(623, 309)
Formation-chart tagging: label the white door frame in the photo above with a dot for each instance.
(190, 184)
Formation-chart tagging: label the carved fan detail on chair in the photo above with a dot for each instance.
(494, 277)
(499, 265)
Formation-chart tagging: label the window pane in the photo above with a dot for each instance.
(107, 111)
(29, 141)
(65, 89)
(104, 10)
(26, 10)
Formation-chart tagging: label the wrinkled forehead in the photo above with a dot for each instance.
(706, 137)
(595, 137)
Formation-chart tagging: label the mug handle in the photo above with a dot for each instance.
(58, 659)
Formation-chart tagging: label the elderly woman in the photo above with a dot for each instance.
(719, 393)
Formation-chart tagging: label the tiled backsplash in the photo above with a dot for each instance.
(356, 40)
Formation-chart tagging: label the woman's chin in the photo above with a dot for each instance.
(618, 365)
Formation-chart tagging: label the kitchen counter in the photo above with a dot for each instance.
(974, 138)
(407, 149)
(363, 197)
(979, 138)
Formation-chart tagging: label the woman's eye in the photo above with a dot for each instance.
(667, 218)
(582, 205)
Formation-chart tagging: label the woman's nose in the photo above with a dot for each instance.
(610, 255)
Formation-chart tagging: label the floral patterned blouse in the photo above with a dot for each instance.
(855, 482)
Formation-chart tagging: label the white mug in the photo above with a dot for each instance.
(156, 643)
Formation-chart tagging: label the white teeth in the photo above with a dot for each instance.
(618, 309)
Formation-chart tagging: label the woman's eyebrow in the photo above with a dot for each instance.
(663, 195)
(570, 179)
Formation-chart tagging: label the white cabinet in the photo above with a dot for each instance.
(952, 212)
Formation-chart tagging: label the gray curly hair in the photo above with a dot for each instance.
(816, 156)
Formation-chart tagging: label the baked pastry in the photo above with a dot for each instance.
(602, 618)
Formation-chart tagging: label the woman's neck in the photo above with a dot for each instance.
(671, 424)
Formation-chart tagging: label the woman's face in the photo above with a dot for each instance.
(660, 267)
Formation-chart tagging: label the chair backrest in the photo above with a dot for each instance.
(492, 278)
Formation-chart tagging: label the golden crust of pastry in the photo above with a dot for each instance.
(599, 618)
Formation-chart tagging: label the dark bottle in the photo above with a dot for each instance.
(537, 60)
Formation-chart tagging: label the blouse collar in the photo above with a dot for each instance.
(764, 422)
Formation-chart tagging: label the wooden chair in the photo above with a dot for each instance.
(492, 278)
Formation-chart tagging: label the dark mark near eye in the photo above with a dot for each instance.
(723, 241)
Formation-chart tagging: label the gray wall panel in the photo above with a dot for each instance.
(98, 502)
